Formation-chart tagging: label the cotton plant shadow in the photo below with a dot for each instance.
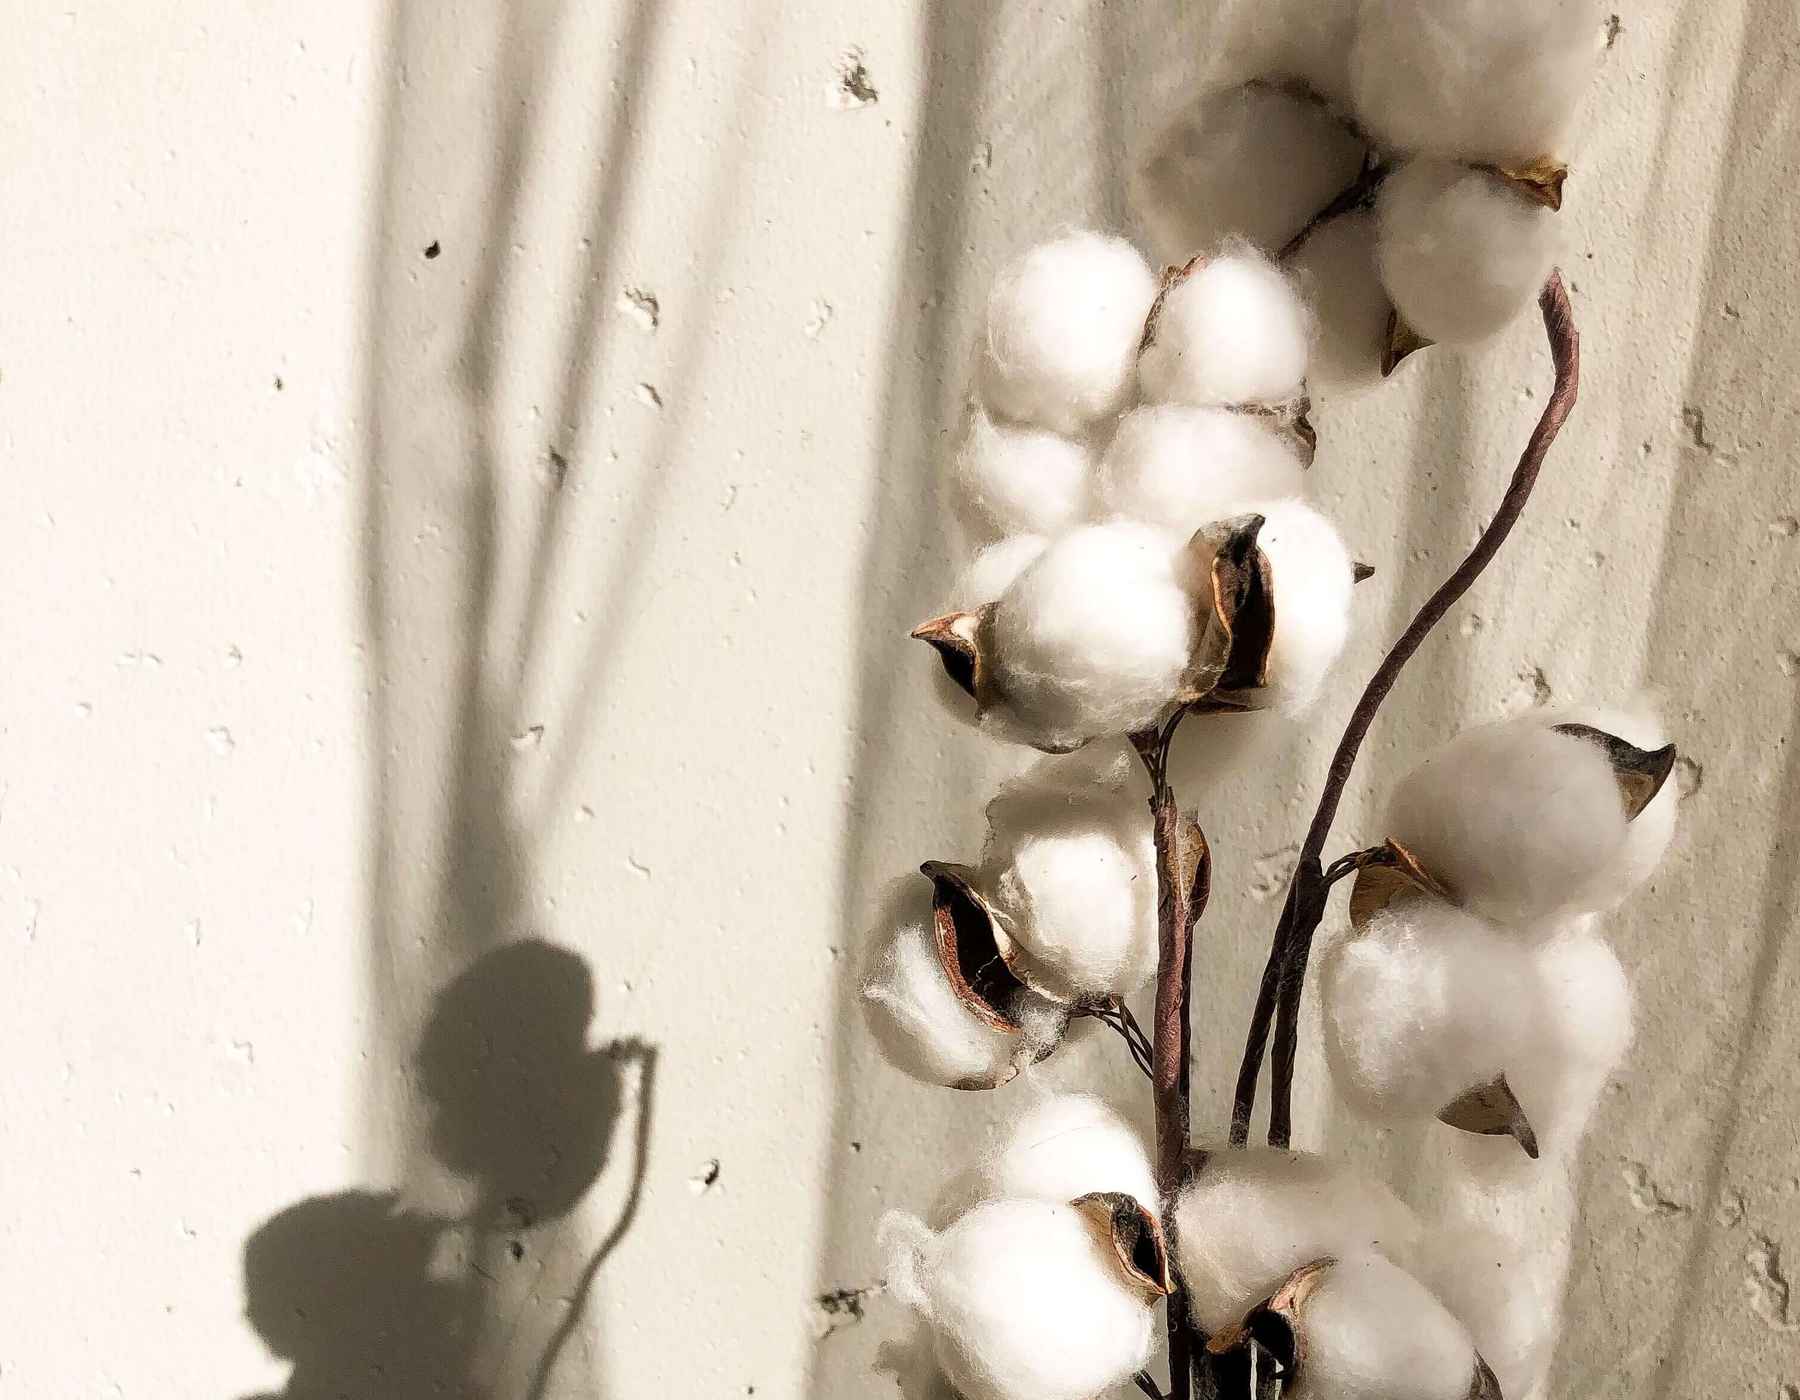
(368, 1297)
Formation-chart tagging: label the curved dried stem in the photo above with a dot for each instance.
(1285, 972)
(1359, 194)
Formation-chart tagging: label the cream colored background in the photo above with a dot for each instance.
(318, 691)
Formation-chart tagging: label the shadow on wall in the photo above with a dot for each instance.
(368, 1298)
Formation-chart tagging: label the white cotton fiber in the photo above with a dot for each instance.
(1063, 326)
(1307, 40)
(1523, 825)
(1234, 331)
(1479, 80)
(1506, 1288)
(1025, 1301)
(1648, 836)
(1371, 1331)
(1011, 479)
(1460, 252)
(1060, 1147)
(1337, 273)
(1583, 1032)
(1074, 869)
(921, 1025)
(1254, 1215)
(1425, 1003)
(1313, 576)
(1248, 161)
(1093, 637)
(992, 571)
(1180, 466)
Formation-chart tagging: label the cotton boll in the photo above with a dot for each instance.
(1482, 80)
(918, 1020)
(992, 571)
(1076, 872)
(1012, 479)
(1249, 161)
(1313, 575)
(1583, 1032)
(1254, 1215)
(1507, 1290)
(1061, 1147)
(1522, 824)
(1647, 837)
(1180, 467)
(1371, 1331)
(1336, 269)
(1094, 637)
(1024, 1299)
(1233, 331)
(1063, 325)
(1425, 1003)
(1460, 252)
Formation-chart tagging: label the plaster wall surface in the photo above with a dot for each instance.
(466, 474)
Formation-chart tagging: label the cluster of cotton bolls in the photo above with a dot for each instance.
(1036, 1276)
(1132, 470)
(1451, 118)
(1059, 915)
(1474, 987)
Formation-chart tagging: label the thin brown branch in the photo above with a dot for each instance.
(1359, 194)
(1285, 972)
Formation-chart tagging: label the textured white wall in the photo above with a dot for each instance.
(398, 644)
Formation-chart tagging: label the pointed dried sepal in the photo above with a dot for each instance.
(1391, 871)
(1237, 623)
(1541, 180)
(1401, 341)
(1270, 1330)
(1172, 277)
(960, 639)
(1300, 427)
(1484, 1385)
(1641, 773)
(1493, 1110)
(973, 946)
(1136, 1237)
(1360, 571)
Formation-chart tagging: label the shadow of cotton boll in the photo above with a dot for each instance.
(522, 1105)
(342, 1287)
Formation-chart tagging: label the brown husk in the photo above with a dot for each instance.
(1392, 872)
(1492, 1110)
(1641, 773)
(1136, 1237)
(1401, 340)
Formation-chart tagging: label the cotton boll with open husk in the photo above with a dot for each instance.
(1253, 160)
(1250, 1217)
(1028, 1300)
(1074, 872)
(1058, 1148)
(1063, 324)
(1461, 252)
(1229, 330)
(1010, 479)
(1351, 311)
(1180, 467)
(1639, 728)
(1480, 80)
(1312, 575)
(939, 1001)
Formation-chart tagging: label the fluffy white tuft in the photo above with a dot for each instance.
(917, 1019)
(1177, 466)
(992, 571)
(1234, 331)
(1524, 825)
(1023, 1299)
(1424, 1004)
(1336, 270)
(1093, 637)
(1481, 80)
(1075, 871)
(1313, 578)
(1583, 1033)
(1460, 252)
(1249, 161)
(1254, 1215)
(1063, 325)
(1371, 1331)
(1651, 830)
(1060, 1147)
(1507, 1290)
(1012, 479)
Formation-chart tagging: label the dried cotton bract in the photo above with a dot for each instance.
(1063, 325)
(1012, 479)
(1025, 1300)
(1311, 575)
(1460, 251)
(1181, 467)
(1481, 80)
(1252, 1216)
(1231, 331)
